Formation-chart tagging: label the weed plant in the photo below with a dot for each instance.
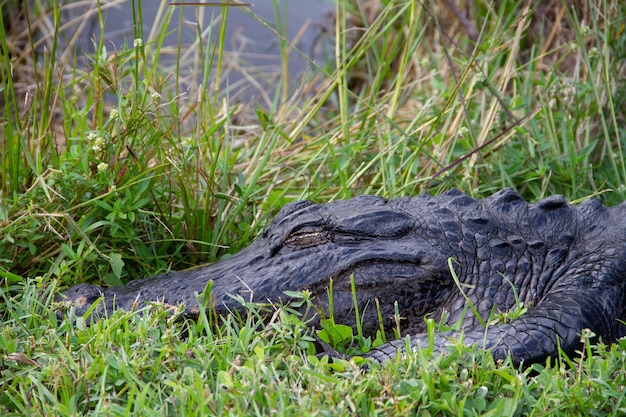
(121, 164)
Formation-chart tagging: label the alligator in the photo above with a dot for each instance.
(449, 257)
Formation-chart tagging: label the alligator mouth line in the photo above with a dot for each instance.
(375, 274)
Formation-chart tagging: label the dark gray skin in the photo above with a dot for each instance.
(567, 263)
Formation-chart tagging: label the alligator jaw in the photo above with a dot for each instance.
(381, 286)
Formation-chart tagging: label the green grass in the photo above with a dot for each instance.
(126, 163)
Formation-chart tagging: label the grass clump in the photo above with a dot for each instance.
(119, 164)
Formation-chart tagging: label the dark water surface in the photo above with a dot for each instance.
(252, 66)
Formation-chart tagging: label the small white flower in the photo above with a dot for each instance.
(98, 144)
(187, 141)
(138, 43)
(103, 167)
(155, 96)
(585, 30)
(114, 115)
(593, 52)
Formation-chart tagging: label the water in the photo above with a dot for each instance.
(253, 67)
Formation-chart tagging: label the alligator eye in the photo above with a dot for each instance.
(307, 237)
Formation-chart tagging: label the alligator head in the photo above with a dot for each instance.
(306, 246)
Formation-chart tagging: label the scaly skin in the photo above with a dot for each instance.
(567, 263)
